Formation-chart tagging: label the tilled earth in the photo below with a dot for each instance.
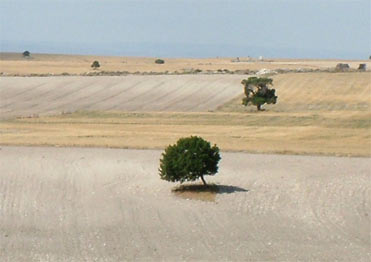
(29, 96)
(80, 204)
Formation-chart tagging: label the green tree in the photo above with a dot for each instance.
(160, 61)
(26, 54)
(189, 159)
(95, 65)
(257, 92)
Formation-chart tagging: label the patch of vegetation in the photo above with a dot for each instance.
(160, 61)
(95, 64)
(26, 54)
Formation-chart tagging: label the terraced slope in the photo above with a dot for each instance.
(24, 96)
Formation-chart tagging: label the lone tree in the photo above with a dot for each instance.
(160, 61)
(189, 159)
(95, 65)
(257, 92)
(26, 54)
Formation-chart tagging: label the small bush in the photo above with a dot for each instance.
(95, 65)
(26, 54)
(362, 67)
(189, 159)
(160, 61)
(340, 67)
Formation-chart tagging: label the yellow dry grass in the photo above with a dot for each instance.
(14, 63)
(268, 132)
(316, 92)
(316, 114)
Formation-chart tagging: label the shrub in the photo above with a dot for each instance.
(257, 92)
(340, 67)
(362, 67)
(26, 54)
(189, 159)
(160, 61)
(95, 65)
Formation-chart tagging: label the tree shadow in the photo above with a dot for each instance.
(204, 193)
(223, 189)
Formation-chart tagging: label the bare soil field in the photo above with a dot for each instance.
(76, 204)
(316, 113)
(15, 63)
(52, 95)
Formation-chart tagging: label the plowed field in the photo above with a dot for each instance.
(74, 204)
(27, 96)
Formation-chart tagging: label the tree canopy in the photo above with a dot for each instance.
(160, 61)
(95, 65)
(257, 92)
(189, 159)
(26, 54)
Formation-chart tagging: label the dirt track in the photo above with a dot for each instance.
(74, 204)
(26, 96)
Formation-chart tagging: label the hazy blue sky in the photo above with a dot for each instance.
(189, 28)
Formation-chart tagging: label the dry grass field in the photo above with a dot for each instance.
(316, 113)
(14, 63)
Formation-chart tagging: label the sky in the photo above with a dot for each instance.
(189, 28)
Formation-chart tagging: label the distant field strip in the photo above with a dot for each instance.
(27, 96)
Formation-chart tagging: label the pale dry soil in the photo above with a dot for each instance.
(27, 96)
(316, 113)
(15, 63)
(79, 204)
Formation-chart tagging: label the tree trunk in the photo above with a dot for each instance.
(203, 180)
(259, 107)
